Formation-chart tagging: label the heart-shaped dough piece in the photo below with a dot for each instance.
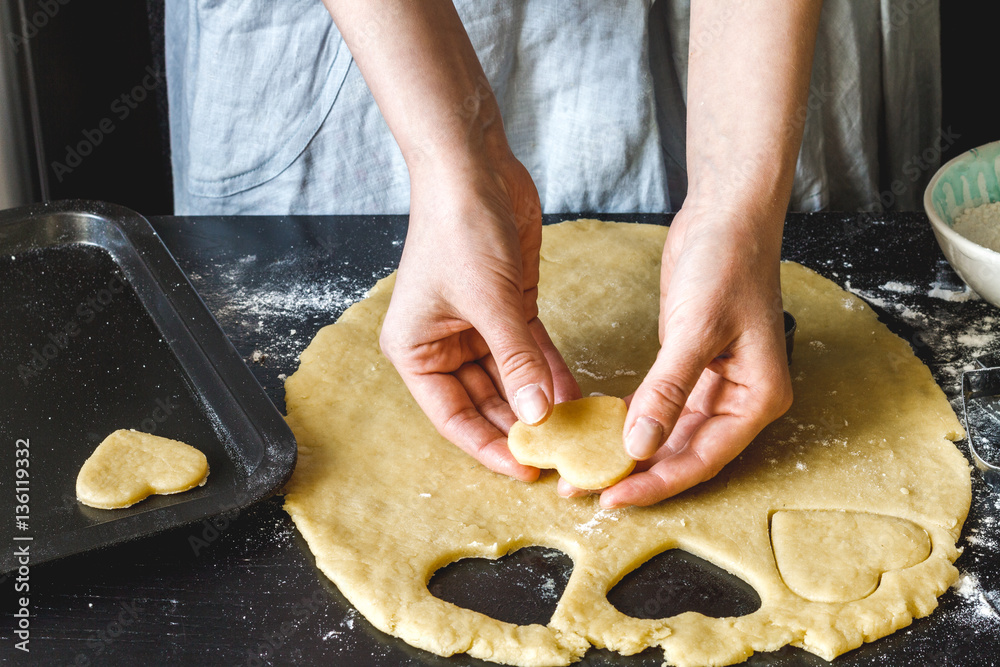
(582, 439)
(831, 556)
(129, 466)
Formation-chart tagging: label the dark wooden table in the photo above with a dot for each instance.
(243, 590)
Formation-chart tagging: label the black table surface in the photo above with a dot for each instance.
(243, 589)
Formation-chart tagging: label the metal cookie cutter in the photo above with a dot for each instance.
(981, 403)
(789, 334)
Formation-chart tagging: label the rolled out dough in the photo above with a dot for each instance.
(129, 466)
(582, 439)
(384, 502)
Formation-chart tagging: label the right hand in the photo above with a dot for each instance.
(462, 327)
(721, 374)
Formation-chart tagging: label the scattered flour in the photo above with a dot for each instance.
(274, 299)
(902, 288)
(968, 588)
(594, 525)
(937, 291)
(954, 350)
(975, 340)
(548, 588)
(981, 225)
(984, 541)
(292, 299)
(618, 372)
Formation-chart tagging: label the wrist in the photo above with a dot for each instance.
(456, 170)
(751, 234)
(467, 136)
(759, 185)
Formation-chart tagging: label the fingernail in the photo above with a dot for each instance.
(532, 404)
(609, 505)
(644, 438)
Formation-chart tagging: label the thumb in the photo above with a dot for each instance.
(658, 402)
(521, 364)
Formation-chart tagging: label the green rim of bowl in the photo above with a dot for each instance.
(968, 180)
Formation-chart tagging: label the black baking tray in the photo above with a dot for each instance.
(100, 330)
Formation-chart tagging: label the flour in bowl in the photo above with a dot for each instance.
(981, 225)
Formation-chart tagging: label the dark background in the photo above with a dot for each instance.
(88, 53)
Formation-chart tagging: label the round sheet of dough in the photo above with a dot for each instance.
(384, 501)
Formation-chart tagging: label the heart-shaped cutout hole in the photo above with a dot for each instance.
(522, 587)
(129, 466)
(675, 581)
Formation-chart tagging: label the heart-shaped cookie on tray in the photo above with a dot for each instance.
(129, 466)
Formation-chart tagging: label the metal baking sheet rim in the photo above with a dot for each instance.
(138, 251)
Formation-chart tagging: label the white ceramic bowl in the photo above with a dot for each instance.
(969, 180)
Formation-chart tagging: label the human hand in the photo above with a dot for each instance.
(721, 374)
(462, 327)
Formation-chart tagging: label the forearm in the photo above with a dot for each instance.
(748, 85)
(417, 59)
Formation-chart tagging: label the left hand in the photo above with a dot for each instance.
(721, 374)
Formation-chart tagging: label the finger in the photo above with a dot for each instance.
(472, 345)
(658, 402)
(447, 404)
(686, 425)
(489, 365)
(564, 384)
(483, 394)
(678, 440)
(567, 490)
(524, 370)
(715, 443)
